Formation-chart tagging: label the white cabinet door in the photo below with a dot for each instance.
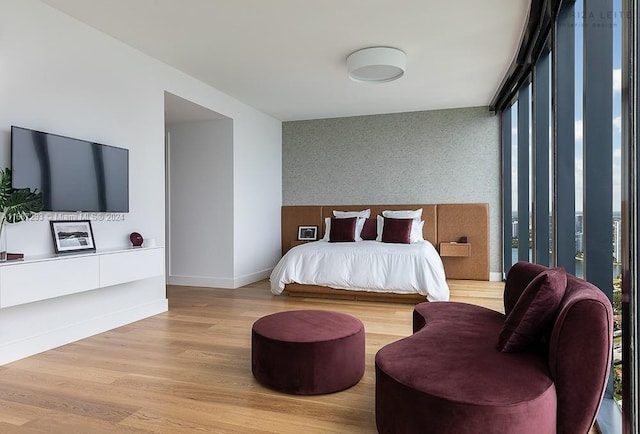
(131, 265)
(29, 282)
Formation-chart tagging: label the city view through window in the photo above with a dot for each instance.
(616, 223)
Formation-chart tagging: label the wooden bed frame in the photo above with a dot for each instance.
(315, 291)
(443, 223)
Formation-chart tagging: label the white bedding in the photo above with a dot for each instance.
(365, 265)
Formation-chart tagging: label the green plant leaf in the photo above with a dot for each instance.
(5, 187)
(21, 204)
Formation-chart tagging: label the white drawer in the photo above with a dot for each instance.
(131, 265)
(29, 282)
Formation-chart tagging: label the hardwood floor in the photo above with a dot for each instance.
(189, 370)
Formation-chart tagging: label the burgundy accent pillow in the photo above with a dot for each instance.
(532, 317)
(342, 230)
(396, 230)
(370, 229)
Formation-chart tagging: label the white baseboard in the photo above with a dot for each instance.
(53, 338)
(251, 278)
(206, 282)
(219, 282)
(495, 277)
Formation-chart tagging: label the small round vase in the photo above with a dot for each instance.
(136, 239)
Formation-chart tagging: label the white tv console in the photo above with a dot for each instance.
(42, 277)
(49, 300)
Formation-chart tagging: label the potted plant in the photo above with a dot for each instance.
(16, 205)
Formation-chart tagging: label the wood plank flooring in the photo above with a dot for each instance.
(189, 371)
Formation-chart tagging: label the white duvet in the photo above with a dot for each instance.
(364, 265)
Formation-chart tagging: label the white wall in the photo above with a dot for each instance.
(61, 76)
(201, 203)
(257, 176)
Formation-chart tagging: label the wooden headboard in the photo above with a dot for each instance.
(442, 223)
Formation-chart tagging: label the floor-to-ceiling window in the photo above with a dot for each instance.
(630, 210)
(566, 169)
(578, 30)
(616, 230)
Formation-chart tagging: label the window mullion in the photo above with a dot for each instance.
(564, 126)
(524, 108)
(541, 161)
(506, 191)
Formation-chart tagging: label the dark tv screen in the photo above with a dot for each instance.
(72, 174)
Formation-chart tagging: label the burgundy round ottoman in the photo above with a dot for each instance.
(308, 352)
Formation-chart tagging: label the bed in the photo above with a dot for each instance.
(368, 265)
(442, 223)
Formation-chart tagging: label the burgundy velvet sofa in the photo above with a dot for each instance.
(451, 376)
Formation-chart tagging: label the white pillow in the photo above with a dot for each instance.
(380, 225)
(327, 229)
(359, 226)
(404, 214)
(416, 229)
(365, 213)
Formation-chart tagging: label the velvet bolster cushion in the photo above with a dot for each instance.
(370, 229)
(343, 230)
(532, 317)
(396, 230)
(518, 278)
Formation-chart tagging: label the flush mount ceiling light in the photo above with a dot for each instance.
(376, 64)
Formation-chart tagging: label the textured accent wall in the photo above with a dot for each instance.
(440, 156)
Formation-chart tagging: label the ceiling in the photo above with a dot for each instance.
(287, 57)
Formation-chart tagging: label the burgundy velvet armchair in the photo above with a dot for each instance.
(467, 369)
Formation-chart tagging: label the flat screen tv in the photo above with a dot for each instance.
(72, 174)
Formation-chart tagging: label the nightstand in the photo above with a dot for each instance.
(454, 249)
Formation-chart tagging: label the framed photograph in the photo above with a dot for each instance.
(307, 233)
(71, 236)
